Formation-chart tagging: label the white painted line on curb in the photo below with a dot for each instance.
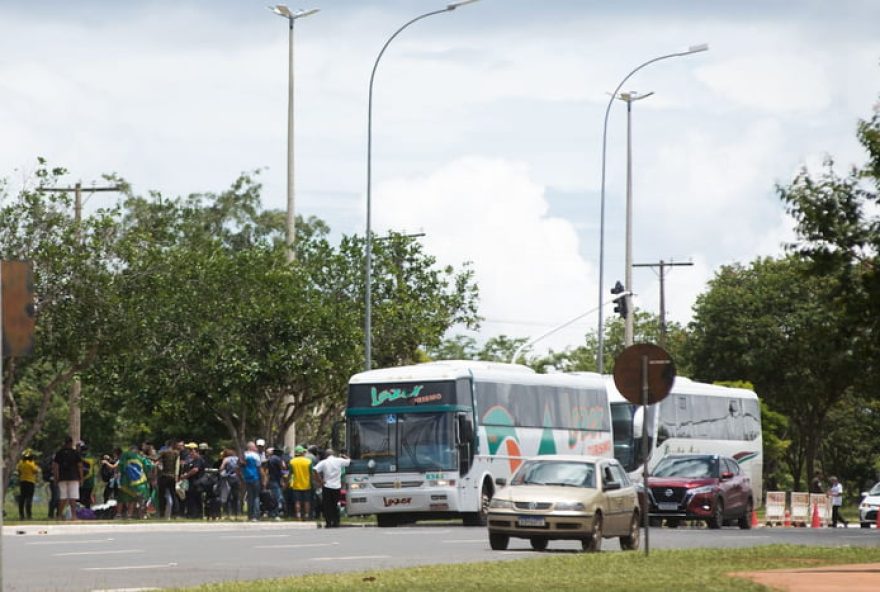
(351, 558)
(123, 567)
(395, 532)
(87, 542)
(114, 552)
(127, 590)
(295, 546)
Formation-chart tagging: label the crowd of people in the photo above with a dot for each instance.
(186, 480)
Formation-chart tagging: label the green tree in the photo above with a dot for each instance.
(781, 329)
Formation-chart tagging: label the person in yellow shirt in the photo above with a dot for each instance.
(301, 483)
(28, 471)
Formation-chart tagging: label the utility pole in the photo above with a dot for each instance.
(663, 265)
(74, 415)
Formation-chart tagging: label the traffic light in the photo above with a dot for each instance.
(620, 301)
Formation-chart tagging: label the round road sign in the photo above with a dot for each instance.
(628, 373)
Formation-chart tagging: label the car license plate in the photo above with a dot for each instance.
(531, 521)
(667, 506)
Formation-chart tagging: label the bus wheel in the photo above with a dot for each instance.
(386, 521)
(480, 518)
(498, 542)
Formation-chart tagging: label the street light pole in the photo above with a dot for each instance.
(368, 256)
(628, 321)
(291, 16)
(600, 356)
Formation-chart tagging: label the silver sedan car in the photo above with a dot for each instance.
(566, 497)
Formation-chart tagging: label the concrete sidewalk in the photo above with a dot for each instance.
(86, 527)
(852, 578)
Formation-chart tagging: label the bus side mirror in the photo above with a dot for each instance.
(465, 429)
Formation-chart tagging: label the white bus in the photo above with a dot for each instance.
(429, 440)
(694, 418)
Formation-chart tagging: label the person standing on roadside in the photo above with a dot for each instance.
(28, 471)
(301, 484)
(49, 477)
(67, 469)
(275, 475)
(195, 468)
(816, 485)
(169, 471)
(836, 493)
(328, 474)
(253, 475)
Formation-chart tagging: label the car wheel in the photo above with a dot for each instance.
(630, 542)
(498, 542)
(593, 543)
(480, 518)
(539, 543)
(745, 521)
(673, 522)
(386, 521)
(717, 519)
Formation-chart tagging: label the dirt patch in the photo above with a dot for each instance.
(852, 578)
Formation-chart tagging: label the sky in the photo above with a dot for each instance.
(487, 125)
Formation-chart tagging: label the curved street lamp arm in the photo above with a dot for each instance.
(600, 362)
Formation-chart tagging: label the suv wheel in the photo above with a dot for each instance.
(745, 521)
(717, 519)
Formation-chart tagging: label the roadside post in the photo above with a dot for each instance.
(644, 374)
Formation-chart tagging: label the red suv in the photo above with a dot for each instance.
(700, 487)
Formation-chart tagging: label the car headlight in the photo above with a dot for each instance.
(703, 489)
(500, 504)
(569, 506)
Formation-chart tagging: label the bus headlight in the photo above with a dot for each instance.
(441, 483)
(353, 486)
(500, 504)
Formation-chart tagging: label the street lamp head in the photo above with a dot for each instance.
(698, 48)
(282, 10)
(457, 3)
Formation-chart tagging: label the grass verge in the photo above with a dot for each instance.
(699, 570)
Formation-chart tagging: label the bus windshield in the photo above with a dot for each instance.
(402, 442)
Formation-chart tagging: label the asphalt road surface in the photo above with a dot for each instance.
(128, 558)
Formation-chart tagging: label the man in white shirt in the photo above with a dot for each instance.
(836, 493)
(328, 476)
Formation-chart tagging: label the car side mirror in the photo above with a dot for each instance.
(612, 485)
(726, 475)
(500, 481)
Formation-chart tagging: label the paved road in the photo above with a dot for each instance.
(108, 559)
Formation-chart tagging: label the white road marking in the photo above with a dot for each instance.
(124, 567)
(256, 536)
(114, 552)
(351, 558)
(295, 546)
(86, 542)
(395, 532)
(456, 541)
(126, 590)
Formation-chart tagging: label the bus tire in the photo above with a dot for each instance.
(480, 518)
(539, 543)
(386, 521)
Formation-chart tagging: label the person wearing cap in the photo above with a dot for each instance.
(328, 475)
(274, 477)
(28, 471)
(301, 484)
(205, 453)
(192, 472)
(254, 478)
(261, 449)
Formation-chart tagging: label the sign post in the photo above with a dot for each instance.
(644, 374)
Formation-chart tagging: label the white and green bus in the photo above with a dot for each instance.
(429, 440)
(694, 418)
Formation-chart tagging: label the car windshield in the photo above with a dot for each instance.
(565, 473)
(690, 467)
(875, 490)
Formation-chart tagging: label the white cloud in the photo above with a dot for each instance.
(489, 211)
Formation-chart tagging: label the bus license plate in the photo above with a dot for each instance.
(531, 521)
(667, 506)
